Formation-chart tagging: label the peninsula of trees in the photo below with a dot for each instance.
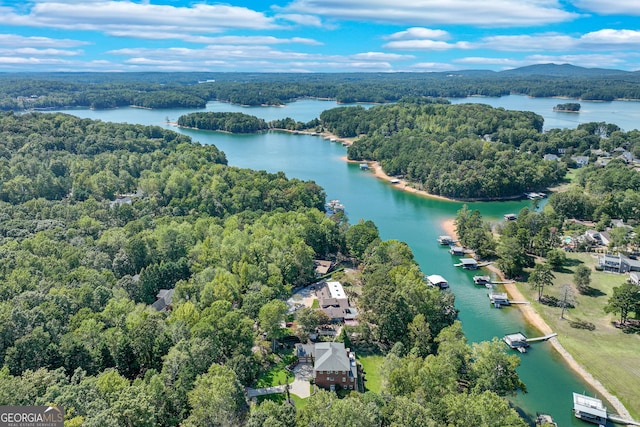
(97, 217)
(193, 90)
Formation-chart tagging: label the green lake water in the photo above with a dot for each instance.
(407, 217)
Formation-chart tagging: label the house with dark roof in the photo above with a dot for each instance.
(334, 366)
(163, 300)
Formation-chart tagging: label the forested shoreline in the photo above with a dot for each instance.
(29, 91)
(98, 217)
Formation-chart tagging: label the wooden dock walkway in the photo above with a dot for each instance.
(518, 302)
(619, 420)
(543, 338)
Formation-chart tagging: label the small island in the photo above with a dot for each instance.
(569, 107)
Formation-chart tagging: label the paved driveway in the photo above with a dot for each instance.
(303, 373)
(253, 392)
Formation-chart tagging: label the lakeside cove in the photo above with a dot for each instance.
(403, 215)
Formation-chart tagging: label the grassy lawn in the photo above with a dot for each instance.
(609, 354)
(281, 397)
(277, 374)
(315, 303)
(371, 366)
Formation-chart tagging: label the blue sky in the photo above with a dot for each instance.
(316, 35)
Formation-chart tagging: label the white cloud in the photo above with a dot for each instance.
(608, 7)
(432, 66)
(528, 42)
(29, 51)
(612, 39)
(263, 58)
(15, 41)
(110, 16)
(380, 56)
(425, 45)
(306, 20)
(419, 33)
(243, 40)
(605, 39)
(496, 13)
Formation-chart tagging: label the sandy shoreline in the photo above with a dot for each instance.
(401, 184)
(532, 317)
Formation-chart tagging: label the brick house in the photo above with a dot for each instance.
(334, 366)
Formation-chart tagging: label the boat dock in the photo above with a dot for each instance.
(481, 280)
(438, 281)
(620, 420)
(498, 299)
(592, 410)
(445, 240)
(517, 341)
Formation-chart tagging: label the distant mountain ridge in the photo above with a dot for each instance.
(562, 70)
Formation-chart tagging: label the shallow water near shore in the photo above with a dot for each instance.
(399, 215)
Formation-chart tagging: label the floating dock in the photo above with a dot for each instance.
(468, 264)
(456, 250)
(438, 281)
(498, 299)
(589, 409)
(481, 280)
(517, 341)
(445, 240)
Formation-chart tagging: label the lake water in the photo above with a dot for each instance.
(407, 217)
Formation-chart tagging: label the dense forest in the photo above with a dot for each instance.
(97, 217)
(474, 151)
(226, 122)
(193, 90)
(467, 151)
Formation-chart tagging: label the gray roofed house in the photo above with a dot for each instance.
(581, 160)
(618, 263)
(163, 300)
(551, 157)
(334, 365)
